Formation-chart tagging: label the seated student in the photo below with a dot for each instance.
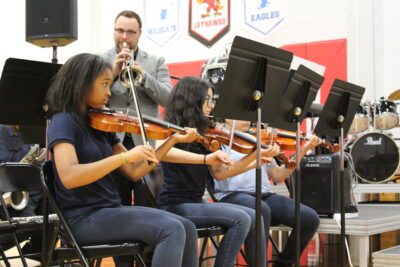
(13, 149)
(184, 183)
(276, 209)
(84, 159)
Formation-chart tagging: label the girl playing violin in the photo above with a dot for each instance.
(276, 209)
(185, 182)
(84, 159)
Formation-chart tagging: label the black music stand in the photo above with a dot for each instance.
(23, 87)
(299, 94)
(253, 66)
(335, 120)
(253, 84)
(301, 91)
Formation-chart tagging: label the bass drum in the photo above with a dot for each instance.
(375, 156)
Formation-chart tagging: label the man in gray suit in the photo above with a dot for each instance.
(155, 87)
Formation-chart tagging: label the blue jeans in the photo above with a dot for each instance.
(277, 209)
(238, 221)
(174, 237)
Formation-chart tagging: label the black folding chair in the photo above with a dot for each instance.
(6, 228)
(146, 191)
(18, 177)
(70, 249)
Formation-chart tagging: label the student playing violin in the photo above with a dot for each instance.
(275, 209)
(84, 159)
(185, 182)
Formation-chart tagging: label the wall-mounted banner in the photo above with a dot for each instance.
(209, 20)
(263, 15)
(161, 20)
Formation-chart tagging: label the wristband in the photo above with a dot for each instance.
(123, 158)
(205, 159)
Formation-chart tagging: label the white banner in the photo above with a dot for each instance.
(263, 16)
(161, 21)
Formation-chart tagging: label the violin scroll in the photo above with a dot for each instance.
(333, 148)
(289, 164)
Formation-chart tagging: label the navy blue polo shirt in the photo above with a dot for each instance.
(91, 145)
(183, 183)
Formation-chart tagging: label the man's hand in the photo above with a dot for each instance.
(125, 55)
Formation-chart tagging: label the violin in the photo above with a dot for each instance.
(112, 121)
(287, 140)
(242, 142)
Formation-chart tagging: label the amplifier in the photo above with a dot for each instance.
(320, 183)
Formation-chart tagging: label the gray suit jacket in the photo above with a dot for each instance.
(156, 90)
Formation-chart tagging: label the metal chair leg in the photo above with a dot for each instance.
(4, 257)
(23, 260)
(139, 261)
(203, 249)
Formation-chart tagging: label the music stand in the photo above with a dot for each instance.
(298, 96)
(253, 66)
(23, 86)
(335, 120)
(254, 70)
(301, 91)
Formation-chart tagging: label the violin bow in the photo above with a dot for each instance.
(139, 113)
(231, 137)
(134, 95)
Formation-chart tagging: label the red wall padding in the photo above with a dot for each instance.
(188, 68)
(332, 54)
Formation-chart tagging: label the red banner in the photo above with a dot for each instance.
(209, 20)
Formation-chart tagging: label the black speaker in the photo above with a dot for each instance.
(320, 183)
(51, 22)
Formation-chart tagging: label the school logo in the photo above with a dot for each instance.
(209, 20)
(263, 16)
(161, 23)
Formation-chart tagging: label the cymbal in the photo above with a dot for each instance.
(395, 95)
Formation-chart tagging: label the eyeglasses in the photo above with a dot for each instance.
(211, 101)
(128, 33)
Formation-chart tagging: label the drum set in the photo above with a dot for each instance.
(375, 154)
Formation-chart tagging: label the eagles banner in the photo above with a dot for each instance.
(209, 20)
(263, 16)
